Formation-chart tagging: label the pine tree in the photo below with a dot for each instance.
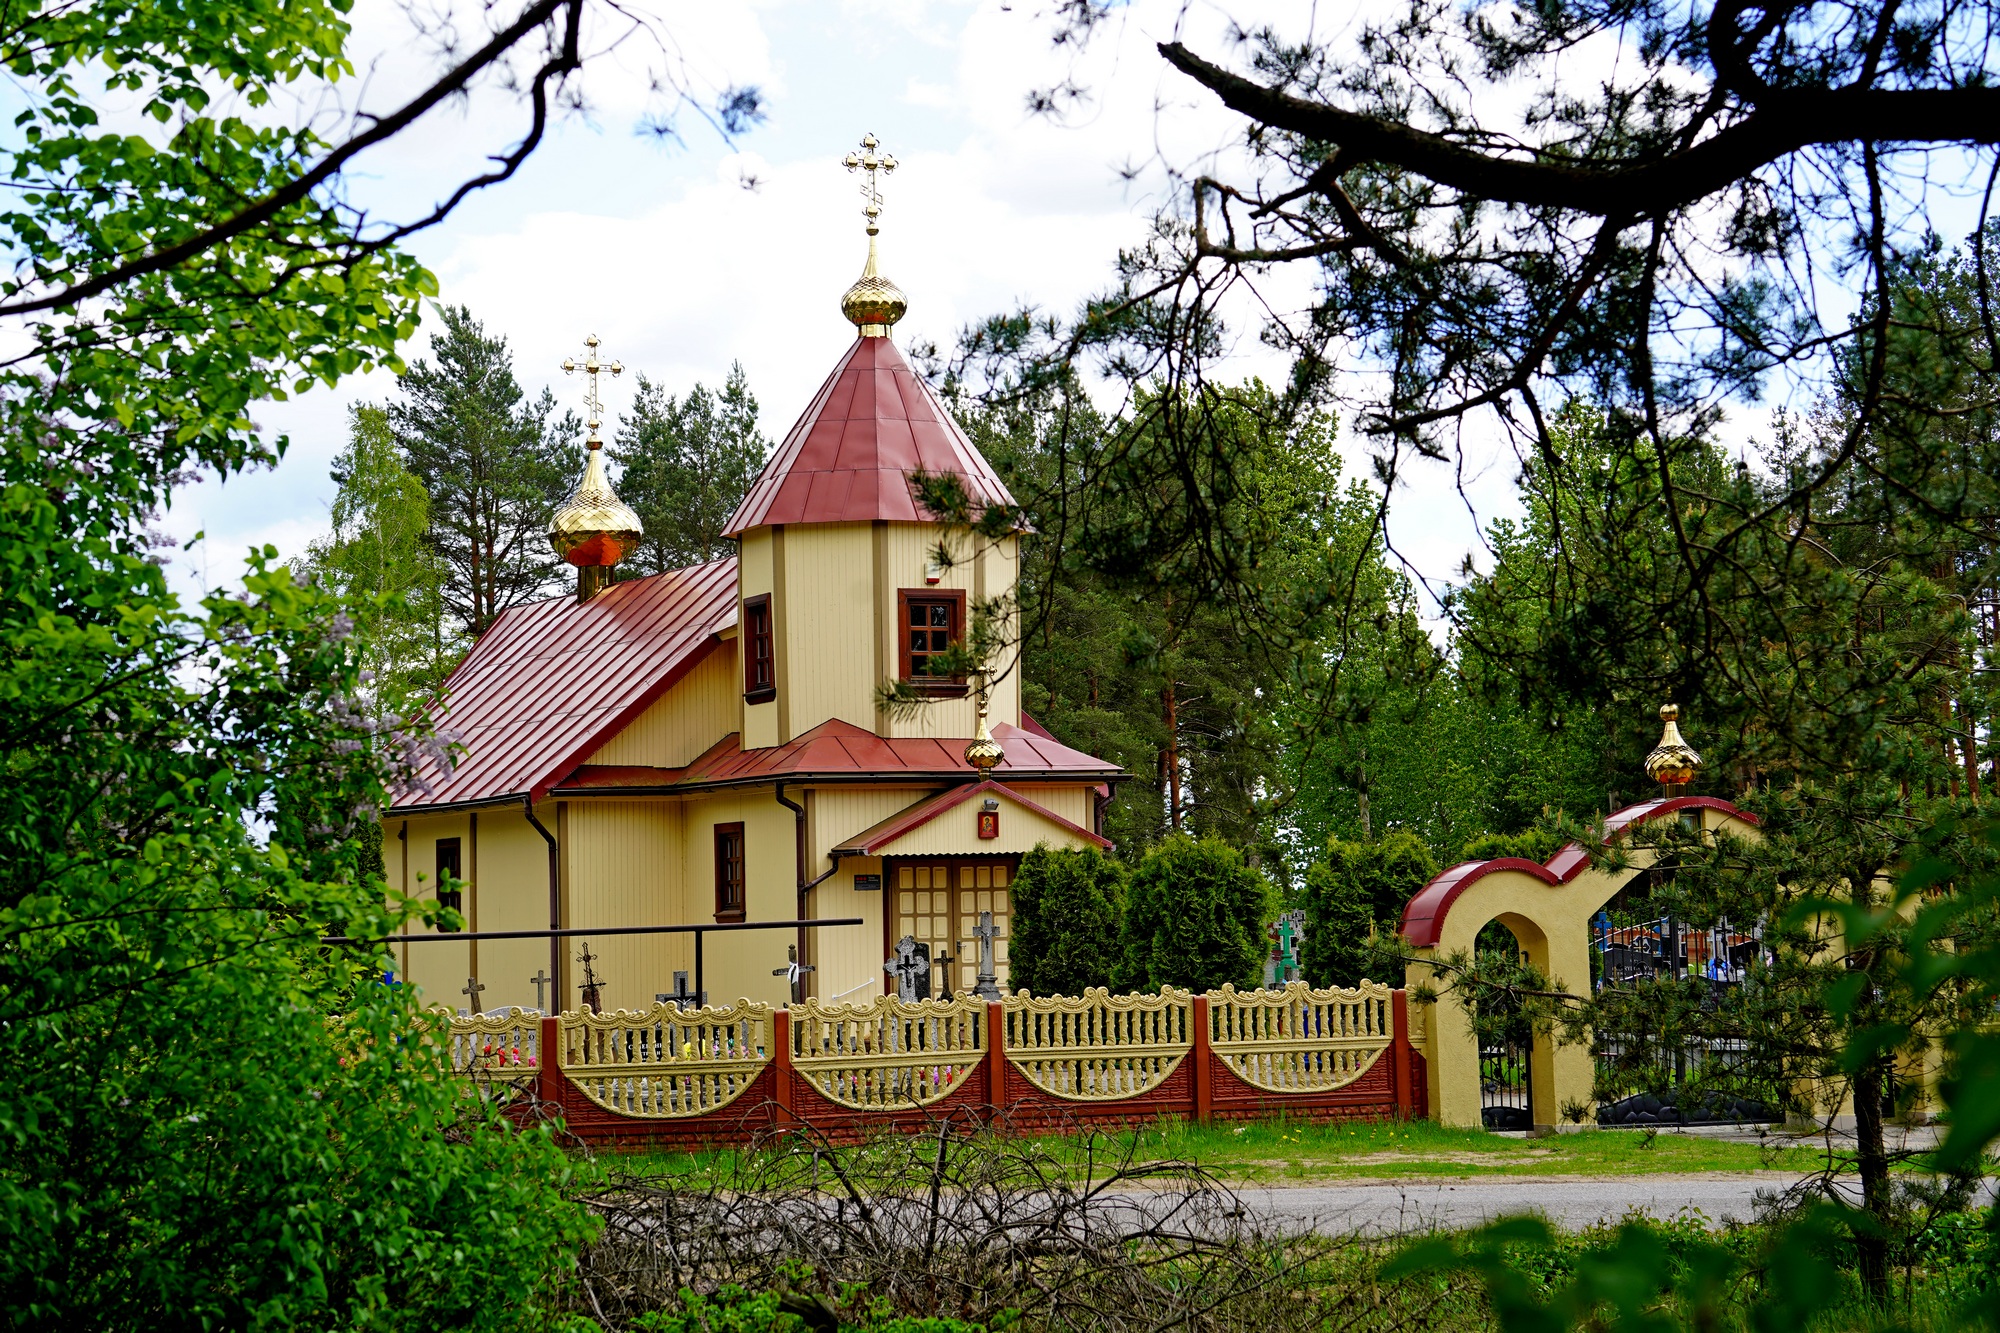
(495, 465)
(687, 463)
(1067, 906)
(378, 559)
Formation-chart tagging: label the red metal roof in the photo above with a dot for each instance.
(1423, 916)
(553, 680)
(847, 460)
(842, 751)
(871, 841)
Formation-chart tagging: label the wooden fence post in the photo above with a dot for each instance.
(1204, 1079)
(783, 1110)
(996, 1057)
(1399, 1054)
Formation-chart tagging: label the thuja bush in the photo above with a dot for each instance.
(1194, 917)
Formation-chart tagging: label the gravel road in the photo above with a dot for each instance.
(1403, 1205)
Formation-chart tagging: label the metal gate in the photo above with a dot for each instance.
(1506, 1092)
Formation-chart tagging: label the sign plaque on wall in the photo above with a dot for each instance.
(868, 884)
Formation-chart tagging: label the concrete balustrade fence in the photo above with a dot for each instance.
(715, 1077)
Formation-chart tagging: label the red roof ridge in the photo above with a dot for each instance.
(849, 456)
(866, 842)
(1423, 915)
(552, 680)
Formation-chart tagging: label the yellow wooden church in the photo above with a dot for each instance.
(705, 746)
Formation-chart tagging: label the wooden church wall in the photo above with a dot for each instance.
(623, 866)
(739, 963)
(677, 728)
(850, 957)
(409, 855)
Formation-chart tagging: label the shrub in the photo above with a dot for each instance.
(1194, 917)
(1067, 907)
(1359, 888)
(1532, 845)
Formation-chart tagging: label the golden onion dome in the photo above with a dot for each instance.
(594, 527)
(873, 304)
(984, 752)
(1673, 762)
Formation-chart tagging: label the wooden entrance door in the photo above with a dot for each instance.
(938, 901)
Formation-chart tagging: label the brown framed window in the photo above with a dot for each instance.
(729, 872)
(450, 866)
(930, 621)
(760, 663)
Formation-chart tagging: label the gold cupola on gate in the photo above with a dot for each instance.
(594, 529)
(1672, 763)
(873, 304)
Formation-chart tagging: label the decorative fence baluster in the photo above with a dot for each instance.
(662, 1063)
(891, 1054)
(1101, 1047)
(1299, 1039)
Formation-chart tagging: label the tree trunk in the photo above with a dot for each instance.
(1871, 1147)
(1170, 758)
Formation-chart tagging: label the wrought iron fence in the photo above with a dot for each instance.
(1683, 1082)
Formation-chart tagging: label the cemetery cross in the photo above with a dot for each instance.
(986, 989)
(541, 981)
(471, 994)
(910, 965)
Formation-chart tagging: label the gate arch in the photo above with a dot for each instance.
(1548, 907)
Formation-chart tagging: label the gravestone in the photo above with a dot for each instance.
(681, 997)
(911, 967)
(471, 994)
(541, 981)
(987, 987)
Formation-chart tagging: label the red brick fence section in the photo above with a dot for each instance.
(727, 1076)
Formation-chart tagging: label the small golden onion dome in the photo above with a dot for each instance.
(873, 303)
(984, 752)
(1672, 763)
(594, 527)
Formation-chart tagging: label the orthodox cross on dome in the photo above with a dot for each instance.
(590, 366)
(869, 161)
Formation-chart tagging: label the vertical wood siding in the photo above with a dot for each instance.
(689, 718)
(828, 624)
(624, 871)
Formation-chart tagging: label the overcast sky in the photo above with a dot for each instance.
(684, 257)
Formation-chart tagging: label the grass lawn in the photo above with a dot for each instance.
(1276, 1151)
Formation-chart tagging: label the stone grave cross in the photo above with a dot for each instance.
(541, 981)
(471, 994)
(910, 967)
(681, 997)
(987, 987)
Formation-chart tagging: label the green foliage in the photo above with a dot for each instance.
(1535, 844)
(379, 562)
(494, 463)
(207, 1121)
(1359, 890)
(1068, 906)
(687, 463)
(735, 1310)
(1194, 918)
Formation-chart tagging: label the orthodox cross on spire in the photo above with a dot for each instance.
(590, 366)
(870, 161)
